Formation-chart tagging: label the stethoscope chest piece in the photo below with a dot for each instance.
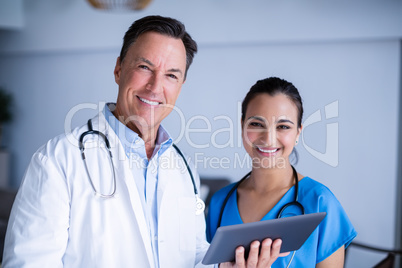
(199, 205)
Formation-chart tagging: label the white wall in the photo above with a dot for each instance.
(344, 54)
(11, 14)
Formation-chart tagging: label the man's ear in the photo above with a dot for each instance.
(117, 70)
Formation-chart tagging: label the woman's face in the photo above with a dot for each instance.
(270, 130)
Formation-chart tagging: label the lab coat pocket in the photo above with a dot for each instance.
(187, 224)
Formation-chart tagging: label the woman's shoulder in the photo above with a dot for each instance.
(312, 186)
(311, 189)
(221, 194)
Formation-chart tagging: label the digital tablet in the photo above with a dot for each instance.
(293, 231)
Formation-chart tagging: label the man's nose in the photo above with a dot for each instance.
(155, 83)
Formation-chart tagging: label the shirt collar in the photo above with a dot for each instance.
(130, 139)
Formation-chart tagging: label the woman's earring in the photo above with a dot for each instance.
(297, 142)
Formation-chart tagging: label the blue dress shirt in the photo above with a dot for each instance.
(145, 171)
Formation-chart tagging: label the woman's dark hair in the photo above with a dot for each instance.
(163, 25)
(273, 86)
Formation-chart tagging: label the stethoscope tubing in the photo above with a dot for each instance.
(200, 205)
(91, 131)
(295, 202)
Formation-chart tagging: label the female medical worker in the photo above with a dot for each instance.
(271, 123)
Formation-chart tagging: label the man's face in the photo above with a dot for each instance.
(150, 79)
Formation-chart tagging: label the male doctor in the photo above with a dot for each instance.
(147, 216)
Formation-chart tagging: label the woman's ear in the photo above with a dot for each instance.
(299, 130)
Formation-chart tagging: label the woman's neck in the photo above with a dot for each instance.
(270, 179)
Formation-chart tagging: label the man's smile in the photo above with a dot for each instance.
(149, 101)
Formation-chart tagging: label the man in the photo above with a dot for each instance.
(74, 208)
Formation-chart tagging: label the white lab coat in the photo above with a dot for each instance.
(56, 220)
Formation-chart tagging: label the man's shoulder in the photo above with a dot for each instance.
(62, 143)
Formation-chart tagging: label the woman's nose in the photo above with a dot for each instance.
(270, 137)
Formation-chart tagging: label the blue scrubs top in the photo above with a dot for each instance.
(333, 232)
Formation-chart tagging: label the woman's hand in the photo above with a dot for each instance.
(256, 259)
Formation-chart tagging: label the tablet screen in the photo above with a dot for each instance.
(293, 231)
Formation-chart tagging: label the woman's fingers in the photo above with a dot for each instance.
(253, 255)
(240, 260)
(276, 248)
(265, 255)
(277, 245)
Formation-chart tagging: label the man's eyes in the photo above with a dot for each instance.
(172, 76)
(143, 67)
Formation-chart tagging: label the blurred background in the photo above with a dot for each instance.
(57, 59)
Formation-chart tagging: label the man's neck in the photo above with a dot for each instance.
(148, 135)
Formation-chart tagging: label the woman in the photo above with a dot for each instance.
(271, 124)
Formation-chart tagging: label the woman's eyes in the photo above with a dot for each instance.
(283, 127)
(280, 127)
(256, 124)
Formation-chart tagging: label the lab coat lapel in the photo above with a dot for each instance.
(166, 176)
(171, 170)
(125, 176)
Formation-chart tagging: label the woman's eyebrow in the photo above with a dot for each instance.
(256, 118)
(285, 121)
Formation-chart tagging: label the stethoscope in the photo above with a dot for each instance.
(199, 204)
(295, 202)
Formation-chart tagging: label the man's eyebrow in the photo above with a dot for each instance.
(173, 70)
(145, 60)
